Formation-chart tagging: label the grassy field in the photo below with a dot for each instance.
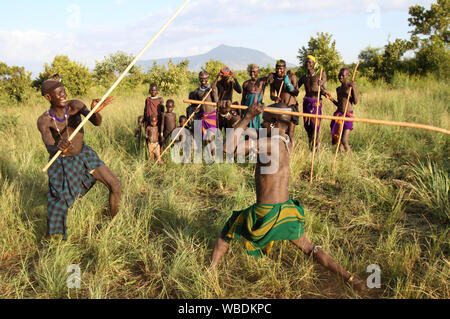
(388, 205)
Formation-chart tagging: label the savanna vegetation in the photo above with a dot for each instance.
(386, 204)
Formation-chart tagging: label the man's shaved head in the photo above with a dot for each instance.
(344, 71)
(281, 63)
(283, 119)
(203, 73)
(49, 85)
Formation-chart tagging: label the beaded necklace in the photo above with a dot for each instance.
(54, 118)
(204, 89)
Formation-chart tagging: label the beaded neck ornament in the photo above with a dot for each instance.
(54, 118)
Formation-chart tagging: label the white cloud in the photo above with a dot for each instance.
(203, 25)
(29, 45)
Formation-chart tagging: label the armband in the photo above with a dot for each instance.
(288, 84)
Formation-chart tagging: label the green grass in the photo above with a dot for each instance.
(387, 204)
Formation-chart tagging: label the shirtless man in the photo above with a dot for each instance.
(259, 225)
(289, 92)
(253, 93)
(168, 122)
(79, 167)
(311, 83)
(342, 95)
(226, 83)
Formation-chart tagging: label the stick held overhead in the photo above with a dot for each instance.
(118, 81)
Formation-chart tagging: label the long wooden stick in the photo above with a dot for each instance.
(328, 117)
(190, 118)
(341, 132)
(315, 128)
(281, 89)
(80, 126)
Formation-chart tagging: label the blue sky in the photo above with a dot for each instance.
(33, 32)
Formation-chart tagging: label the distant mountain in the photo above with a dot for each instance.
(236, 58)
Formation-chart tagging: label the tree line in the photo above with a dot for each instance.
(428, 43)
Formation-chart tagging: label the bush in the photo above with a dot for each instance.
(324, 49)
(15, 83)
(213, 68)
(75, 76)
(434, 57)
(107, 71)
(171, 79)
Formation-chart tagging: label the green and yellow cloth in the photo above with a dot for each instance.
(262, 224)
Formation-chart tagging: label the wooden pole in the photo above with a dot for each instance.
(343, 117)
(315, 128)
(190, 118)
(327, 117)
(281, 89)
(80, 126)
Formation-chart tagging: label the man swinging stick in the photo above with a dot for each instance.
(274, 216)
(79, 167)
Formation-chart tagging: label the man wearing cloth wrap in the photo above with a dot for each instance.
(312, 82)
(275, 216)
(78, 167)
(342, 95)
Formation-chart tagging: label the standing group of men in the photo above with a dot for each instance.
(274, 216)
(284, 88)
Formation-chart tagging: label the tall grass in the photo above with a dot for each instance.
(387, 204)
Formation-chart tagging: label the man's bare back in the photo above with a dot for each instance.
(273, 188)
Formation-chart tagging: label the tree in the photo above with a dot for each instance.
(324, 49)
(107, 71)
(434, 57)
(75, 76)
(429, 39)
(431, 36)
(393, 53)
(15, 82)
(170, 79)
(371, 60)
(213, 68)
(433, 22)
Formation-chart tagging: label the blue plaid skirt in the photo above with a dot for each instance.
(68, 179)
